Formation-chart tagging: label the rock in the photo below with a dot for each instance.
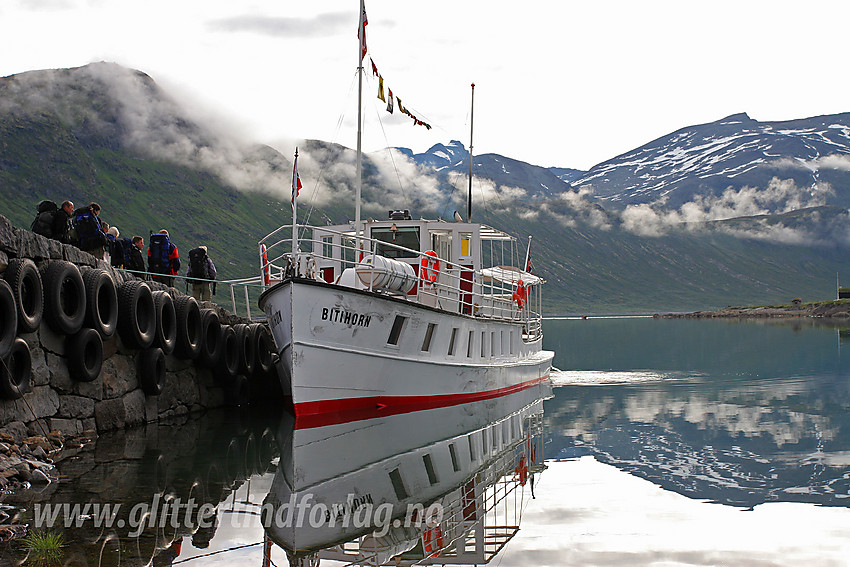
(110, 414)
(119, 377)
(134, 408)
(40, 375)
(75, 407)
(31, 245)
(38, 477)
(7, 237)
(67, 426)
(42, 401)
(39, 453)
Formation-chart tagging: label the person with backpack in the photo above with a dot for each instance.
(90, 235)
(63, 222)
(200, 266)
(112, 234)
(163, 258)
(43, 222)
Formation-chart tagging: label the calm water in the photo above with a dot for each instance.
(667, 442)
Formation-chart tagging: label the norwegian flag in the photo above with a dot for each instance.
(361, 31)
(296, 180)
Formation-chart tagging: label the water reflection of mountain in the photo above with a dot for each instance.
(736, 440)
(426, 487)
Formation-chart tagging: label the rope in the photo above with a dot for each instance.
(234, 548)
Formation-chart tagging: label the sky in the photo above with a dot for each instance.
(558, 83)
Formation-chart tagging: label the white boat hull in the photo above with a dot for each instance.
(338, 360)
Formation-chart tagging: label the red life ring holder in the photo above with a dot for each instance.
(429, 267)
(432, 541)
(264, 264)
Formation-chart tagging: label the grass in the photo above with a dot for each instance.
(44, 548)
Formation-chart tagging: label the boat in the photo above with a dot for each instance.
(433, 487)
(379, 317)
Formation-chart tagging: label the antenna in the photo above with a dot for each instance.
(471, 118)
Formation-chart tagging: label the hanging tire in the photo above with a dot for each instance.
(211, 343)
(264, 347)
(85, 355)
(8, 319)
(64, 298)
(228, 364)
(166, 321)
(247, 350)
(25, 281)
(189, 336)
(101, 302)
(151, 371)
(16, 371)
(136, 315)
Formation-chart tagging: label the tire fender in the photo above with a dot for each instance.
(64, 297)
(264, 347)
(166, 322)
(85, 355)
(136, 315)
(246, 344)
(151, 371)
(25, 281)
(189, 337)
(211, 343)
(101, 302)
(8, 319)
(16, 371)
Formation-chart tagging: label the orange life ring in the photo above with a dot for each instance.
(519, 295)
(432, 541)
(264, 265)
(429, 267)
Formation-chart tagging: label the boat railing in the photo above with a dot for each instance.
(433, 281)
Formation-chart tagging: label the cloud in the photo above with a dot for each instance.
(839, 162)
(322, 24)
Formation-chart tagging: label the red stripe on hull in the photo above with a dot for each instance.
(332, 412)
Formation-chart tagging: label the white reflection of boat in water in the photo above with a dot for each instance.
(432, 487)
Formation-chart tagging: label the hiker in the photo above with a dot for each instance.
(63, 222)
(136, 262)
(200, 266)
(112, 253)
(89, 231)
(163, 258)
(43, 222)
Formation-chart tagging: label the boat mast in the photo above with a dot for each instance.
(469, 197)
(360, 43)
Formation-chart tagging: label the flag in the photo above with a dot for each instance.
(296, 180)
(374, 68)
(381, 88)
(400, 107)
(390, 100)
(528, 266)
(361, 31)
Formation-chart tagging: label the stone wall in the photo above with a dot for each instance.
(114, 399)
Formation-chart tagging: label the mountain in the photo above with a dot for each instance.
(729, 155)
(605, 242)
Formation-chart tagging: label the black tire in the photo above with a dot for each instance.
(8, 319)
(101, 302)
(85, 355)
(166, 322)
(211, 345)
(228, 365)
(247, 349)
(264, 347)
(189, 336)
(64, 298)
(136, 315)
(25, 281)
(151, 371)
(16, 371)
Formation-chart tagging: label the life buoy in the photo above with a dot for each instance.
(432, 541)
(15, 371)
(64, 297)
(519, 295)
(101, 302)
(247, 349)
(229, 359)
(522, 470)
(429, 267)
(151, 371)
(25, 280)
(85, 355)
(264, 264)
(166, 322)
(136, 315)
(263, 347)
(8, 319)
(211, 343)
(189, 336)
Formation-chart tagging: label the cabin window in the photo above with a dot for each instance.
(328, 246)
(471, 442)
(512, 342)
(395, 332)
(492, 344)
(469, 344)
(405, 236)
(441, 243)
(466, 244)
(483, 344)
(453, 455)
(429, 334)
(398, 485)
(452, 341)
(494, 436)
(429, 469)
(484, 447)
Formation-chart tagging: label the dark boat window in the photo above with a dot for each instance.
(429, 469)
(429, 334)
(398, 485)
(453, 455)
(452, 341)
(395, 332)
(407, 236)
